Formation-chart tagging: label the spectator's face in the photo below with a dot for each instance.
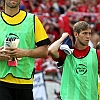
(12, 3)
(83, 37)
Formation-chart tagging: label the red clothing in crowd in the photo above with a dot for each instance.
(97, 27)
(98, 1)
(26, 3)
(82, 8)
(61, 2)
(64, 23)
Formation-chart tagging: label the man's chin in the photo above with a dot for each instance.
(13, 4)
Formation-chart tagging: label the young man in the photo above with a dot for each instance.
(24, 39)
(80, 68)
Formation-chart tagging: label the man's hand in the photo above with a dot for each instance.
(64, 35)
(33, 53)
(3, 54)
(15, 52)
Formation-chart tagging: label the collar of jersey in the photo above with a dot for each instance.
(16, 19)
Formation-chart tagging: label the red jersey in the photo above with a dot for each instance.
(64, 23)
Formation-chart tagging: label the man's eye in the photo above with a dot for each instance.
(85, 33)
(90, 33)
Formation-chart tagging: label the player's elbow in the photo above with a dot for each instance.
(53, 53)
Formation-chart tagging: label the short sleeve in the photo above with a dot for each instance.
(40, 33)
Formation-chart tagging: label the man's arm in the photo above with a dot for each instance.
(53, 48)
(38, 52)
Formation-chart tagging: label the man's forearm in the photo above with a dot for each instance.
(38, 52)
(53, 48)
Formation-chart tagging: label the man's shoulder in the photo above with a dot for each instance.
(25, 12)
(93, 49)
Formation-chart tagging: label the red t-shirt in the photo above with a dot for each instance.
(26, 3)
(79, 54)
(82, 8)
(98, 1)
(64, 23)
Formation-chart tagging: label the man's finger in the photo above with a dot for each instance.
(1, 47)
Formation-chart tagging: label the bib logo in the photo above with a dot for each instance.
(81, 69)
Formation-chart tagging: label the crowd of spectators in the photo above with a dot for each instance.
(58, 16)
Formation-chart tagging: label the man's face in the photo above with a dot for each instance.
(12, 3)
(84, 36)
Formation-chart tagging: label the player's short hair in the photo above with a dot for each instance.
(80, 26)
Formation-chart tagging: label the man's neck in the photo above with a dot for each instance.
(11, 11)
(79, 47)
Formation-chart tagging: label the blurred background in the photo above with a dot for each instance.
(58, 16)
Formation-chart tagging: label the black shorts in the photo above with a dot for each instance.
(9, 93)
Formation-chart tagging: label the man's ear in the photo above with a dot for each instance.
(75, 34)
